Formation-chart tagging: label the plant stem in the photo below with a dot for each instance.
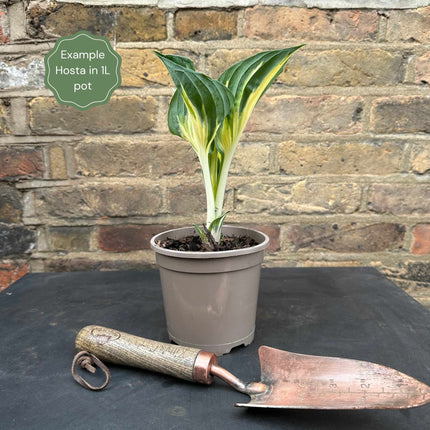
(222, 183)
(210, 198)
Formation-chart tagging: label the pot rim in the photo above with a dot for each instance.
(211, 254)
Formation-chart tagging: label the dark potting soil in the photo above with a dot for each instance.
(194, 243)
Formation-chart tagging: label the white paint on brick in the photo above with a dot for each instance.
(322, 4)
(31, 76)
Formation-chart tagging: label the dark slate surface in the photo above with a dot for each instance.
(349, 312)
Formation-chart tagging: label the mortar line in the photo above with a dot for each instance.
(69, 159)
(45, 45)
(406, 162)
(240, 25)
(264, 219)
(277, 90)
(170, 25)
(256, 137)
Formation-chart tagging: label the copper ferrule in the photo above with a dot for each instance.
(202, 367)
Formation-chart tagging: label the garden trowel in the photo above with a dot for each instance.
(288, 380)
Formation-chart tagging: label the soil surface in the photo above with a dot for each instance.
(194, 243)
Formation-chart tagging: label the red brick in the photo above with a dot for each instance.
(422, 69)
(125, 238)
(205, 24)
(421, 244)
(17, 163)
(11, 271)
(273, 231)
(310, 24)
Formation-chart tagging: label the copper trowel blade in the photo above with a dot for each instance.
(312, 382)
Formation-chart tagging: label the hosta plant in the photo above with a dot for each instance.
(211, 115)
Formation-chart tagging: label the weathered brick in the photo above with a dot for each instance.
(121, 158)
(190, 199)
(187, 199)
(409, 25)
(125, 238)
(124, 24)
(87, 264)
(273, 231)
(196, 24)
(401, 114)
(338, 67)
(123, 114)
(400, 199)
(366, 158)
(141, 67)
(251, 158)
(344, 68)
(4, 25)
(350, 237)
(301, 198)
(10, 204)
(69, 238)
(17, 28)
(420, 159)
(421, 243)
(310, 24)
(297, 114)
(417, 272)
(413, 277)
(15, 240)
(422, 69)
(11, 271)
(57, 163)
(19, 120)
(222, 59)
(17, 162)
(96, 200)
(4, 118)
(20, 71)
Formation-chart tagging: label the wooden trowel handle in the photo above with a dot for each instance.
(117, 347)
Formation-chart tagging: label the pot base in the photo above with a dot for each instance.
(221, 349)
(210, 298)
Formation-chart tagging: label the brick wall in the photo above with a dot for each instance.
(334, 164)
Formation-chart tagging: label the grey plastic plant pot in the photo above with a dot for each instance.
(210, 298)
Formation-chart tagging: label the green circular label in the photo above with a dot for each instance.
(82, 70)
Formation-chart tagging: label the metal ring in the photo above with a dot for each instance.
(86, 360)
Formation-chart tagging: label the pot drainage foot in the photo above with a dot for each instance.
(218, 349)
